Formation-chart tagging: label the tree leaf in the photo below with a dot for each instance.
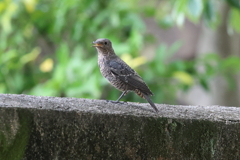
(195, 7)
(235, 19)
(234, 3)
(210, 16)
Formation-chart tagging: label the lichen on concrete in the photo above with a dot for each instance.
(14, 133)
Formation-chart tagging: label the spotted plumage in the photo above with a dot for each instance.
(118, 73)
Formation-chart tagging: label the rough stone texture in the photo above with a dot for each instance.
(46, 128)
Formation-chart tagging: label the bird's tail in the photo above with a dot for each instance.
(150, 102)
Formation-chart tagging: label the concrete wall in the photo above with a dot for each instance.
(48, 128)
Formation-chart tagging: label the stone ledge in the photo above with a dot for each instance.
(70, 128)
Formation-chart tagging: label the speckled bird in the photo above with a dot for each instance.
(118, 73)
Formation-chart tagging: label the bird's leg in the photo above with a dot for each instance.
(117, 101)
(121, 96)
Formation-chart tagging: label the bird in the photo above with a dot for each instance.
(120, 74)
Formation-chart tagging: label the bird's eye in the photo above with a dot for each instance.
(105, 43)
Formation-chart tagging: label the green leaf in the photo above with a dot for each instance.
(235, 19)
(2, 88)
(166, 22)
(63, 54)
(210, 16)
(180, 6)
(195, 8)
(178, 13)
(161, 52)
(234, 3)
(149, 11)
(230, 79)
(178, 65)
(180, 19)
(204, 83)
(211, 56)
(231, 63)
(174, 48)
(183, 77)
(115, 20)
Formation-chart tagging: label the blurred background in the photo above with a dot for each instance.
(187, 51)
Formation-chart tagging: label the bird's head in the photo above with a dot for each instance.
(103, 46)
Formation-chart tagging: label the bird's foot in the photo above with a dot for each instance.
(121, 102)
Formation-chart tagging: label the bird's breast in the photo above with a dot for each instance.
(106, 72)
(104, 68)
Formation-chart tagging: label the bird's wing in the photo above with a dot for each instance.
(125, 73)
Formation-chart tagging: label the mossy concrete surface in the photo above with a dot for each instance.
(47, 128)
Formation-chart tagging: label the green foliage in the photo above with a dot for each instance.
(64, 30)
(176, 11)
(46, 48)
(234, 19)
(234, 3)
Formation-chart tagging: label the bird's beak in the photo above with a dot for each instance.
(95, 44)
